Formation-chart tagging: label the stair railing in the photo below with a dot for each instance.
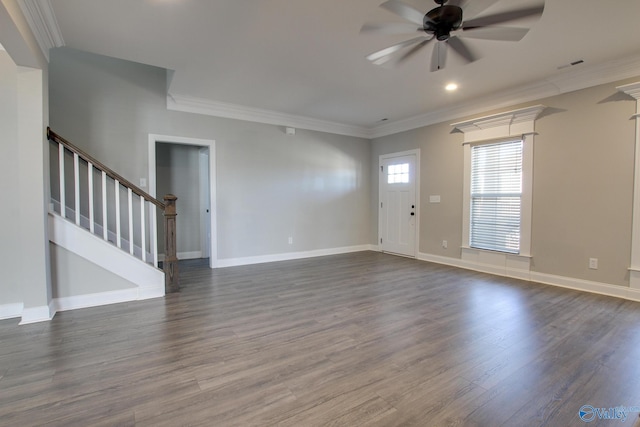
(96, 203)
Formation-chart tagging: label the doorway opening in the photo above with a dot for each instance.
(186, 167)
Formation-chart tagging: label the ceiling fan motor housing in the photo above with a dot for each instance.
(442, 20)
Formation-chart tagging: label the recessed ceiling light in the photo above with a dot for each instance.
(451, 87)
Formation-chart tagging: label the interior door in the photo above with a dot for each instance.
(205, 202)
(398, 210)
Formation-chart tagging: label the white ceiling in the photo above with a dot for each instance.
(306, 58)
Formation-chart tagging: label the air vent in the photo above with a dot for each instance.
(571, 64)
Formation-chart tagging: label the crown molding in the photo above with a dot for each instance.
(240, 112)
(532, 92)
(43, 23)
(568, 81)
(507, 124)
(632, 89)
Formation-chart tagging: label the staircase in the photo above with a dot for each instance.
(98, 215)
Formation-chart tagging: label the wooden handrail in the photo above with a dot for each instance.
(51, 135)
(168, 207)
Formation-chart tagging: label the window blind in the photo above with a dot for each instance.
(496, 192)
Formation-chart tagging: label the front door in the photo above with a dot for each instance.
(398, 210)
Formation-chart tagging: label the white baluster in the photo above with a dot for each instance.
(143, 226)
(130, 201)
(153, 233)
(90, 185)
(76, 185)
(63, 202)
(105, 223)
(116, 186)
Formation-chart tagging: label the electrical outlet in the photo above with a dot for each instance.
(143, 182)
(593, 263)
(290, 240)
(444, 244)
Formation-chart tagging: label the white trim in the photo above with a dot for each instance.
(183, 255)
(211, 145)
(257, 115)
(94, 249)
(509, 124)
(634, 278)
(633, 90)
(564, 82)
(54, 208)
(502, 264)
(9, 311)
(42, 313)
(234, 262)
(587, 286)
(543, 278)
(381, 176)
(104, 298)
(43, 23)
(189, 255)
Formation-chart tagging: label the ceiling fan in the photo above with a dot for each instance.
(447, 24)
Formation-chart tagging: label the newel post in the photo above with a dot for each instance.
(170, 264)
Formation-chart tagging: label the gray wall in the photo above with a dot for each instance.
(10, 284)
(321, 189)
(72, 275)
(24, 176)
(177, 173)
(313, 186)
(582, 188)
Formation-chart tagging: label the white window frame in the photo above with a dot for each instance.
(633, 90)
(479, 196)
(516, 124)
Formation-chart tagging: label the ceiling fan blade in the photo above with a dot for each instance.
(510, 34)
(472, 8)
(404, 10)
(414, 50)
(461, 49)
(390, 28)
(500, 18)
(383, 55)
(438, 56)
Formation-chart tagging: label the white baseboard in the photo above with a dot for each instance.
(95, 300)
(46, 313)
(105, 298)
(189, 255)
(234, 262)
(587, 286)
(42, 313)
(183, 255)
(547, 279)
(9, 311)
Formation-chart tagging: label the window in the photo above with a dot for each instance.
(496, 193)
(398, 174)
(496, 214)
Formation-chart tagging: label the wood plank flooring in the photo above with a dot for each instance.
(349, 340)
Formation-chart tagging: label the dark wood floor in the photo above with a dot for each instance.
(358, 339)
